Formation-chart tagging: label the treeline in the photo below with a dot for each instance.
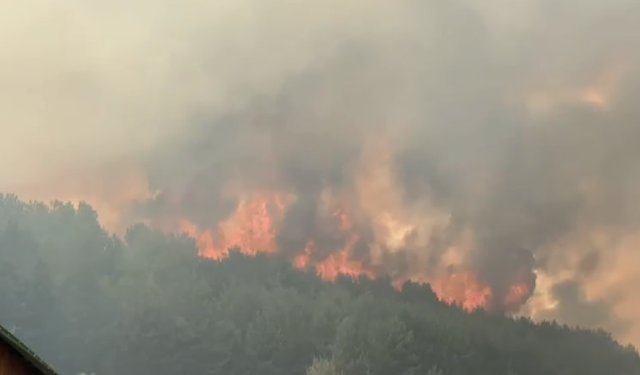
(87, 301)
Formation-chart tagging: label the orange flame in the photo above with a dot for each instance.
(516, 294)
(252, 228)
(253, 225)
(375, 194)
(464, 289)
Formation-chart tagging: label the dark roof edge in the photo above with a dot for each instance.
(25, 352)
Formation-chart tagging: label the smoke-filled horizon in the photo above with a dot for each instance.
(410, 138)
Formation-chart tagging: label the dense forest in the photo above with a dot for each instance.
(146, 303)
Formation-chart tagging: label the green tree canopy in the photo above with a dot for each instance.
(147, 304)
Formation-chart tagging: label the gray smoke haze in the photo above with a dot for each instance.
(515, 121)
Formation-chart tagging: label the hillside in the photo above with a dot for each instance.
(146, 303)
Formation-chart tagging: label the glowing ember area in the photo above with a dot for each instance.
(516, 294)
(252, 228)
(464, 289)
(334, 265)
(339, 263)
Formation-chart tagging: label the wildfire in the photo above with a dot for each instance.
(373, 201)
(462, 288)
(250, 228)
(516, 294)
(338, 263)
(253, 226)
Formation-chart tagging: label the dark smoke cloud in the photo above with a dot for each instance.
(451, 94)
(485, 109)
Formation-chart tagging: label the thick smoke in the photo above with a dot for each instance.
(505, 131)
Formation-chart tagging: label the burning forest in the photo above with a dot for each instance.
(358, 225)
(491, 155)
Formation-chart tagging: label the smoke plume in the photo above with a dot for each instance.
(489, 149)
